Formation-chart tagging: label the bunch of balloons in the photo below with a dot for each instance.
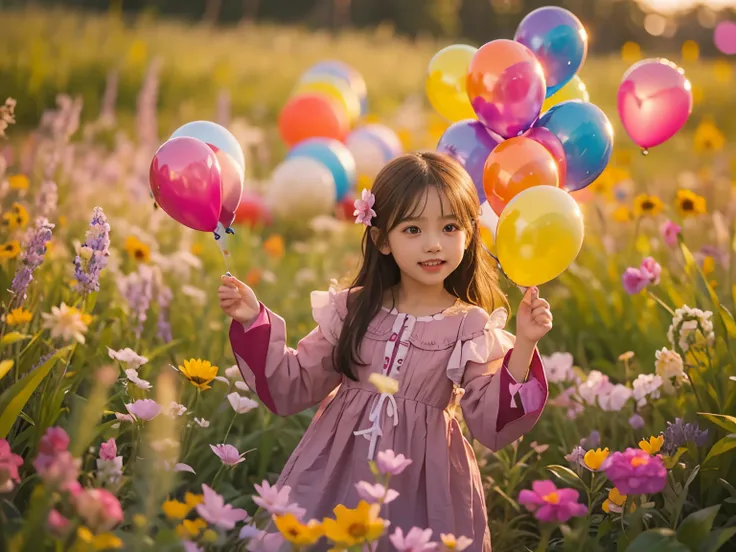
(330, 149)
(197, 177)
(523, 128)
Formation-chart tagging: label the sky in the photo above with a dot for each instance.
(671, 6)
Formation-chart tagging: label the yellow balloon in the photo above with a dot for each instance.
(540, 233)
(335, 89)
(573, 90)
(445, 84)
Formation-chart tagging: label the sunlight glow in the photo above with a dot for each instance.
(674, 6)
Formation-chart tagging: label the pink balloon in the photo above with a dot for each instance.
(232, 185)
(186, 183)
(724, 37)
(654, 101)
(550, 141)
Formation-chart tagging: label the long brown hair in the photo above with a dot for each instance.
(399, 189)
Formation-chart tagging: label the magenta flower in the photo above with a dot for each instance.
(651, 269)
(551, 504)
(416, 540)
(390, 463)
(59, 470)
(214, 510)
(54, 440)
(276, 501)
(635, 472)
(373, 493)
(9, 464)
(228, 454)
(670, 231)
(364, 208)
(99, 508)
(57, 524)
(144, 409)
(108, 449)
(634, 280)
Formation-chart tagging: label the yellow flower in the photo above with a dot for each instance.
(451, 542)
(199, 372)
(274, 246)
(709, 265)
(18, 182)
(10, 250)
(189, 529)
(209, 536)
(622, 214)
(175, 509)
(298, 533)
(106, 541)
(18, 316)
(594, 458)
(384, 384)
(708, 137)
(356, 526)
(196, 249)
(193, 500)
(615, 502)
(5, 366)
(690, 204)
(140, 521)
(85, 535)
(653, 445)
(137, 250)
(645, 204)
(16, 218)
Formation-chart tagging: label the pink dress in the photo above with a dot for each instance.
(454, 358)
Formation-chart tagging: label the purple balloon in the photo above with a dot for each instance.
(186, 182)
(548, 139)
(470, 143)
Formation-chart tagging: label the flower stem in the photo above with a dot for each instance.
(216, 479)
(224, 440)
(544, 539)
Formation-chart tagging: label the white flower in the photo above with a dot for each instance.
(133, 378)
(201, 422)
(233, 372)
(596, 384)
(242, 386)
(646, 385)
(176, 409)
(691, 327)
(558, 367)
(304, 276)
(615, 398)
(198, 295)
(241, 405)
(127, 356)
(669, 365)
(66, 322)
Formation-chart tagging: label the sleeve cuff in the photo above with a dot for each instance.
(531, 393)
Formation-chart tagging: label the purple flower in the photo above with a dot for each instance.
(636, 421)
(591, 441)
(32, 257)
(228, 454)
(47, 199)
(551, 504)
(634, 280)
(364, 208)
(651, 269)
(635, 472)
(137, 288)
(93, 254)
(670, 231)
(680, 434)
(391, 463)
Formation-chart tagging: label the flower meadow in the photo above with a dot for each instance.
(125, 425)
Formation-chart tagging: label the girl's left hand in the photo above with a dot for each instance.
(534, 318)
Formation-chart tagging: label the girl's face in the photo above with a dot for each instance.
(430, 244)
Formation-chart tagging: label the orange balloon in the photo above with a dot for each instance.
(515, 165)
(310, 116)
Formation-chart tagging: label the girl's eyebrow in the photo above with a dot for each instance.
(422, 219)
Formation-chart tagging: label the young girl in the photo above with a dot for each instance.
(417, 312)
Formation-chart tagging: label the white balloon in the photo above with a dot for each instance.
(302, 187)
(215, 135)
(372, 147)
(488, 218)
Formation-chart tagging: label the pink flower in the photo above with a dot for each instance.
(276, 501)
(144, 409)
(214, 510)
(389, 463)
(670, 231)
(558, 367)
(635, 281)
(9, 464)
(108, 449)
(60, 470)
(99, 508)
(551, 504)
(651, 269)
(615, 398)
(57, 524)
(416, 540)
(267, 542)
(54, 440)
(180, 467)
(375, 493)
(228, 454)
(635, 472)
(364, 208)
(190, 546)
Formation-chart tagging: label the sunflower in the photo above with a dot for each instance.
(10, 250)
(137, 250)
(16, 218)
(356, 526)
(199, 372)
(690, 204)
(645, 204)
(296, 532)
(708, 137)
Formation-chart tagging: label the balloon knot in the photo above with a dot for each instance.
(230, 230)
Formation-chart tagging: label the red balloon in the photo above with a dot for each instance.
(186, 182)
(550, 141)
(311, 116)
(253, 210)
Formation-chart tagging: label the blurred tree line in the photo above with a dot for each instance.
(610, 22)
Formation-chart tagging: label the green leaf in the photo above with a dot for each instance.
(15, 397)
(722, 420)
(695, 528)
(566, 475)
(158, 351)
(721, 447)
(717, 539)
(12, 337)
(657, 540)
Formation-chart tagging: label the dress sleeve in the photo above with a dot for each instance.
(289, 380)
(497, 409)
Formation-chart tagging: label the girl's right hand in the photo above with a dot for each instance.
(237, 300)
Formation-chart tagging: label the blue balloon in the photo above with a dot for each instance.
(335, 156)
(558, 40)
(345, 72)
(586, 135)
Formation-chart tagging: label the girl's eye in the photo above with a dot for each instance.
(411, 230)
(450, 228)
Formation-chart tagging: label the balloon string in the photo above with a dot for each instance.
(227, 265)
(500, 269)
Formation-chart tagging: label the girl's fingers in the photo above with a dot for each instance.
(541, 310)
(543, 319)
(539, 303)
